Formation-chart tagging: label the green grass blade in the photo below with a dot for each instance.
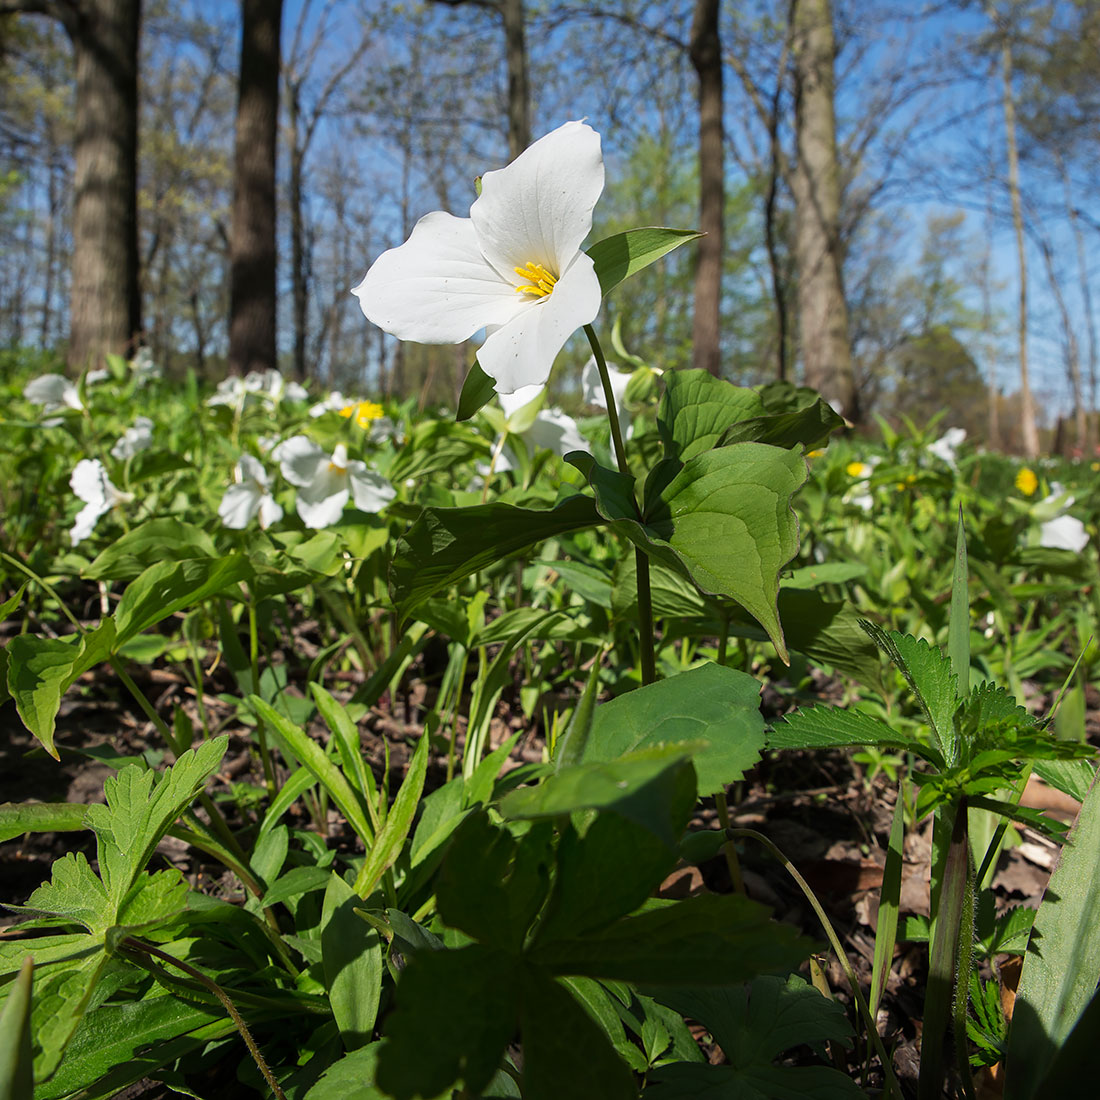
(886, 933)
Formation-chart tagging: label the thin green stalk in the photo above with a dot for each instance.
(137, 946)
(647, 652)
(46, 587)
(733, 864)
(892, 1086)
(254, 665)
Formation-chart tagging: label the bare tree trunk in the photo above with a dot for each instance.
(706, 56)
(1070, 346)
(1086, 298)
(53, 214)
(1028, 429)
(252, 238)
(823, 311)
(298, 278)
(993, 390)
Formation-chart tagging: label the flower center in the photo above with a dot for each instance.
(541, 282)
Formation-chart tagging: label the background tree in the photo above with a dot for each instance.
(252, 237)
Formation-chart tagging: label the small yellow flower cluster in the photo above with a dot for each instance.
(857, 469)
(1026, 481)
(910, 479)
(363, 412)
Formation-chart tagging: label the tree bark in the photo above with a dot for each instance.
(252, 237)
(105, 296)
(706, 56)
(298, 267)
(1028, 429)
(823, 311)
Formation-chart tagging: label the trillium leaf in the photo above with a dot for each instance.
(477, 390)
(725, 520)
(167, 587)
(446, 544)
(152, 542)
(696, 409)
(808, 428)
(624, 254)
(712, 704)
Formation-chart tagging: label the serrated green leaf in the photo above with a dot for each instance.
(153, 899)
(169, 586)
(712, 704)
(621, 255)
(824, 726)
(446, 544)
(73, 892)
(61, 997)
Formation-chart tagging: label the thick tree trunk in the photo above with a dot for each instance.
(105, 309)
(1086, 298)
(299, 280)
(519, 87)
(823, 311)
(252, 238)
(1029, 431)
(706, 56)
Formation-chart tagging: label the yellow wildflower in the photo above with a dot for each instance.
(1026, 481)
(858, 469)
(1094, 467)
(364, 412)
(819, 452)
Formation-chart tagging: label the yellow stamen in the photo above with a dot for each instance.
(337, 469)
(542, 282)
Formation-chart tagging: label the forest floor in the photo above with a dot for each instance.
(820, 809)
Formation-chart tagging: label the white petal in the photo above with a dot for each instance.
(54, 391)
(270, 511)
(300, 459)
(557, 432)
(437, 288)
(239, 505)
(320, 511)
(371, 491)
(85, 522)
(1064, 533)
(512, 402)
(252, 469)
(521, 353)
(539, 208)
(90, 483)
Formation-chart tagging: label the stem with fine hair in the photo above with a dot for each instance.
(647, 654)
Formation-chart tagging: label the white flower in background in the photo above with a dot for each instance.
(135, 439)
(333, 403)
(92, 485)
(229, 391)
(53, 392)
(273, 387)
(947, 446)
(1063, 533)
(145, 370)
(592, 390)
(248, 496)
(95, 376)
(550, 429)
(514, 267)
(326, 482)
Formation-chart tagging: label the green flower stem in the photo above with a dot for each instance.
(139, 947)
(893, 1089)
(952, 923)
(647, 654)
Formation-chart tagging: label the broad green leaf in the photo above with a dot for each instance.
(725, 519)
(624, 254)
(41, 670)
(140, 808)
(387, 845)
(928, 672)
(477, 390)
(9, 605)
(650, 787)
(829, 572)
(75, 893)
(153, 899)
(16, 1054)
(697, 409)
(45, 950)
(169, 586)
(466, 1001)
(808, 428)
(351, 954)
(155, 541)
(754, 1024)
(1076, 1060)
(1062, 964)
(17, 818)
(828, 631)
(61, 997)
(300, 746)
(712, 704)
(350, 1078)
(1072, 777)
(565, 1052)
(825, 726)
(446, 544)
(491, 884)
(350, 748)
(295, 883)
(706, 940)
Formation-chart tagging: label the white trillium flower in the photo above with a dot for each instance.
(143, 366)
(92, 485)
(333, 403)
(1064, 533)
(514, 267)
(248, 496)
(326, 482)
(134, 440)
(947, 446)
(551, 429)
(53, 392)
(273, 387)
(592, 390)
(94, 376)
(229, 391)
